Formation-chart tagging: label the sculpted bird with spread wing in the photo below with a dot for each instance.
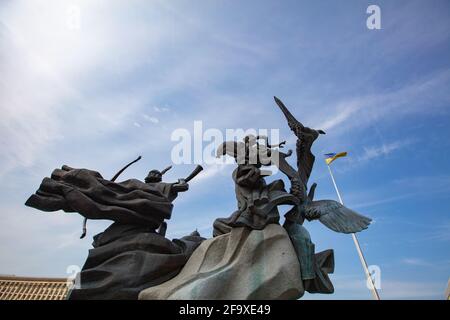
(331, 213)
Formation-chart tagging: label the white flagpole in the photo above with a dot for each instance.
(358, 247)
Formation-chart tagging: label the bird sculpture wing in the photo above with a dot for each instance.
(305, 138)
(336, 216)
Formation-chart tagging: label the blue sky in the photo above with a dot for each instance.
(98, 93)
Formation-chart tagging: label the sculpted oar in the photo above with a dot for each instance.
(196, 171)
(113, 179)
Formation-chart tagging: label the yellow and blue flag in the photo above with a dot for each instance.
(330, 157)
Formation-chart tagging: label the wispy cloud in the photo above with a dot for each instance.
(363, 111)
(384, 149)
(431, 182)
(441, 232)
(212, 171)
(416, 262)
(160, 109)
(53, 90)
(401, 189)
(387, 199)
(343, 112)
(150, 119)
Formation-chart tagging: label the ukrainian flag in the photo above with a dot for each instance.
(330, 157)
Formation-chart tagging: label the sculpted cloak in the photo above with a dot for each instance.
(88, 193)
(257, 201)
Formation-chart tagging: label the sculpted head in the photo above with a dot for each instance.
(153, 176)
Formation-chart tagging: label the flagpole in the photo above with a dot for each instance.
(358, 247)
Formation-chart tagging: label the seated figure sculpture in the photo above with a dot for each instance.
(132, 253)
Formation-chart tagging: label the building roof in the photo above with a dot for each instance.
(447, 292)
(27, 288)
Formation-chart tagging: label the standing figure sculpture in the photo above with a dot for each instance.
(257, 201)
(132, 253)
(257, 208)
(314, 267)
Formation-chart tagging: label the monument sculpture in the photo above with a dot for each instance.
(250, 256)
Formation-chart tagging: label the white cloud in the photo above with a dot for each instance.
(153, 120)
(373, 152)
(441, 232)
(212, 171)
(160, 109)
(427, 95)
(430, 182)
(344, 111)
(387, 199)
(413, 186)
(53, 75)
(416, 262)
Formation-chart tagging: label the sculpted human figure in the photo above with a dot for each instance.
(132, 253)
(257, 201)
(315, 267)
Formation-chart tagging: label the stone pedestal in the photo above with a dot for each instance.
(242, 264)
